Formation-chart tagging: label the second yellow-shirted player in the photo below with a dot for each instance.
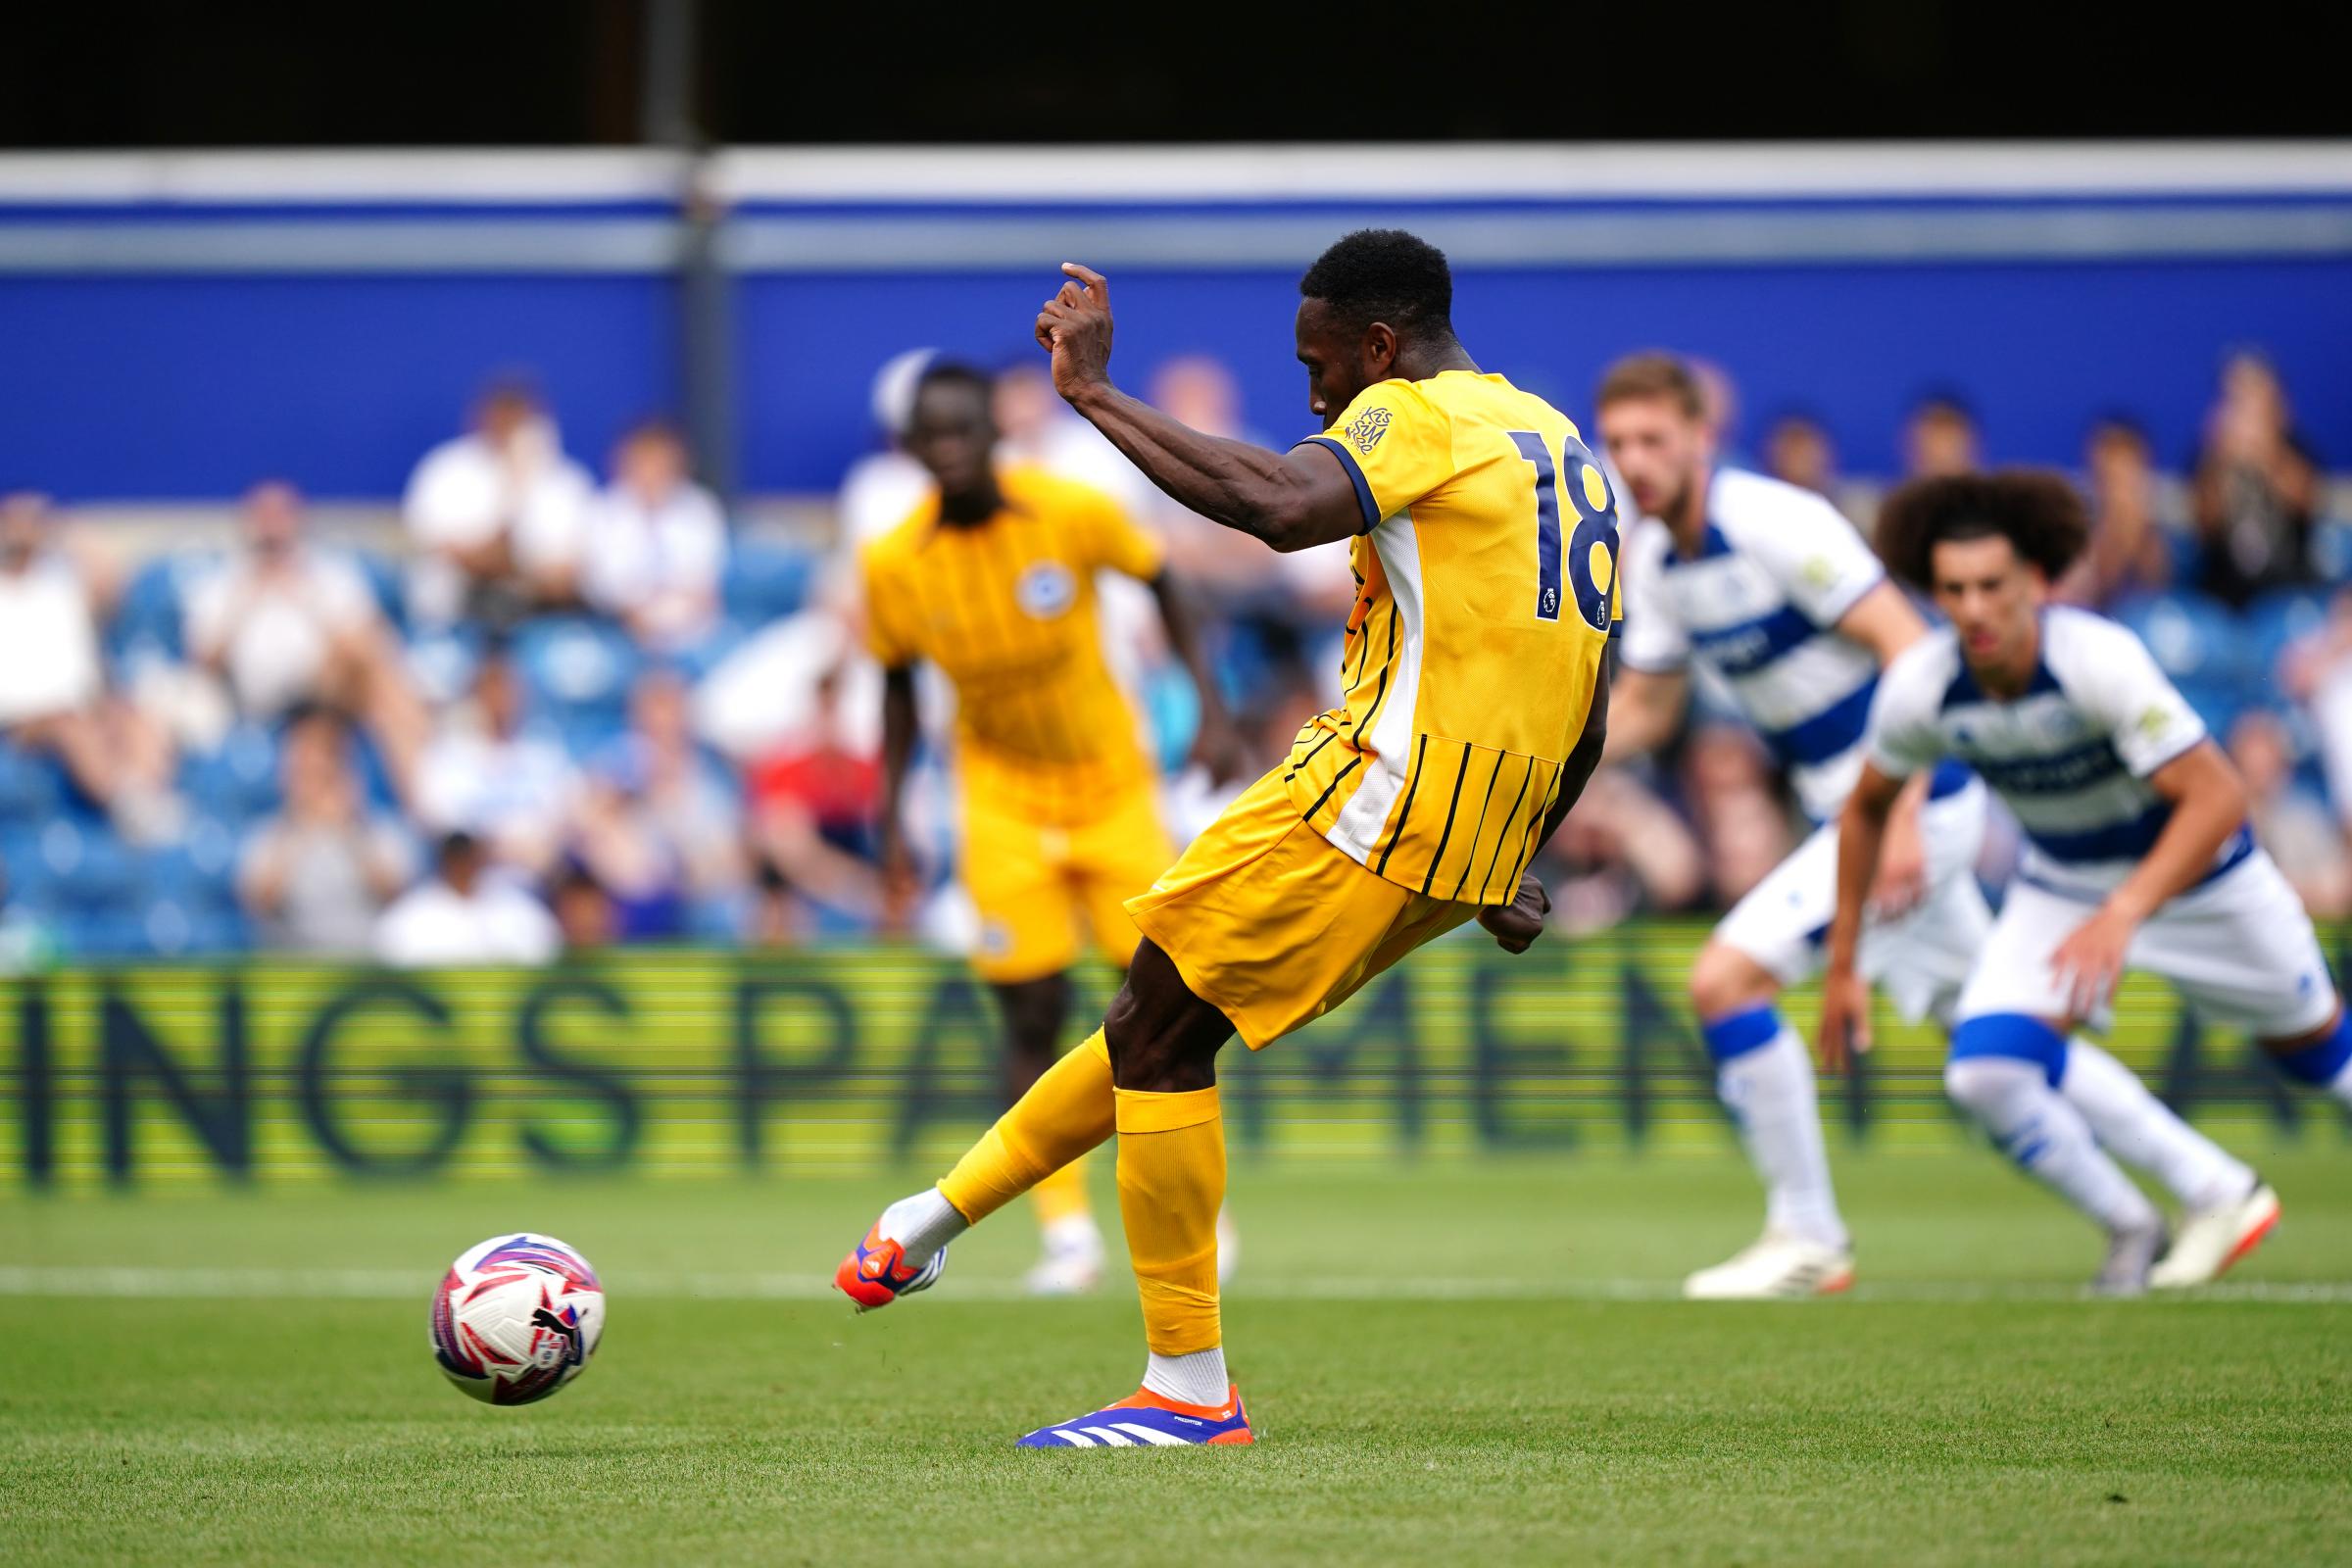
(991, 581)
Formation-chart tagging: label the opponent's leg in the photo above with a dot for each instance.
(1034, 1012)
(2322, 1057)
(2004, 1069)
(1765, 1077)
(2141, 1130)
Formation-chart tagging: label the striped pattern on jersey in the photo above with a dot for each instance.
(1446, 817)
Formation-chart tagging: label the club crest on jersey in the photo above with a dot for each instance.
(1367, 428)
(1046, 590)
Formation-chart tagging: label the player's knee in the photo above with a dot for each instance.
(1162, 1038)
(1982, 1084)
(1725, 981)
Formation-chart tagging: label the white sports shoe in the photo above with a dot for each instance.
(1775, 1267)
(1073, 1260)
(2213, 1239)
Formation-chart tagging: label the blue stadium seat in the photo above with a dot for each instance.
(2195, 639)
(577, 672)
(767, 581)
(2275, 621)
(148, 620)
(31, 787)
(384, 581)
(237, 782)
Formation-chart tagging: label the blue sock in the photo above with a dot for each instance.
(2323, 1065)
(2018, 1036)
(1738, 1033)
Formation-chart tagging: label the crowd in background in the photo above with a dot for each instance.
(562, 713)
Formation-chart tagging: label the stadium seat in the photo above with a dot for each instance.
(2195, 639)
(238, 781)
(576, 671)
(148, 620)
(384, 581)
(31, 787)
(767, 581)
(2275, 621)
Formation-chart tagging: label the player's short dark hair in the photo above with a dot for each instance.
(1652, 375)
(2038, 512)
(1384, 275)
(953, 372)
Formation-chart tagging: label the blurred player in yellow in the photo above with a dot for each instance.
(990, 580)
(1485, 543)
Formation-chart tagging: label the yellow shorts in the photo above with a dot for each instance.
(1272, 927)
(1033, 883)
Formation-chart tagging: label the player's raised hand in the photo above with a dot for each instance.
(1074, 326)
(1845, 1032)
(1516, 925)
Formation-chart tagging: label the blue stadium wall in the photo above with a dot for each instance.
(176, 326)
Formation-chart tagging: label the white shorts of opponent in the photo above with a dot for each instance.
(2240, 948)
(1922, 958)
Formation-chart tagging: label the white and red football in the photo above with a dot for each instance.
(516, 1318)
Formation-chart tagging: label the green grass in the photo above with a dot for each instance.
(1923, 1421)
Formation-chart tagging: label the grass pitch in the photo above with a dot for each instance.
(1444, 1363)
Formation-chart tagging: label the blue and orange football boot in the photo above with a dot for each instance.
(873, 1275)
(1146, 1420)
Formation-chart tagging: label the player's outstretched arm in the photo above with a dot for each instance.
(1290, 501)
(1216, 743)
(1845, 994)
(2208, 804)
(900, 722)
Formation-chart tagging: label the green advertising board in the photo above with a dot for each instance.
(681, 1063)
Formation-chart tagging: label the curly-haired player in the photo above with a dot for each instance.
(2138, 855)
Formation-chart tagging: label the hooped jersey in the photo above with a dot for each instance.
(1487, 593)
(1005, 611)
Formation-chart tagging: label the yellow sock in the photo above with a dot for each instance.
(1061, 1193)
(1171, 1184)
(1066, 1112)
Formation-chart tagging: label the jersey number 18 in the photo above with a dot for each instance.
(1591, 554)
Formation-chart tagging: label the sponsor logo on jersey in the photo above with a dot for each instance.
(1367, 428)
(1046, 590)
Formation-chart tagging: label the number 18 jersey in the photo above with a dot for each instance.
(1486, 593)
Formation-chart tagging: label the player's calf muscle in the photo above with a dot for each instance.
(1162, 1038)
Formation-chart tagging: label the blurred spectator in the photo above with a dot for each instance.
(1719, 403)
(586, 916)
(2315, 672)
(1281, 595)
(1939, 439)
(467, 914)
(686, 800)
(780, 916)
(2256, 490)
(317, 876)
(813, 801)
(1035, 426)
(1797, 451)
(53, 694)
(487, 776)
(497, 516)
(286, 624)
(882, 487)
(1622, 851)
(2128, 553)
(2296, 828)
(656, 544)
(1740, 819)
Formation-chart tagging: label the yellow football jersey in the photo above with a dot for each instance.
(1487, 577)
(1007, 610)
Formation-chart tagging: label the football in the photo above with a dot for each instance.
(515, 1318)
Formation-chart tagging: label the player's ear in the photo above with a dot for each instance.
(1380, 351)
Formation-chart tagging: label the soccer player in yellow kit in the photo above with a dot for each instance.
(1486, 540)
(992, 581)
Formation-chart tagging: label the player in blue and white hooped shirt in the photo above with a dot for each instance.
(2138, 855)
(1768, 588)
